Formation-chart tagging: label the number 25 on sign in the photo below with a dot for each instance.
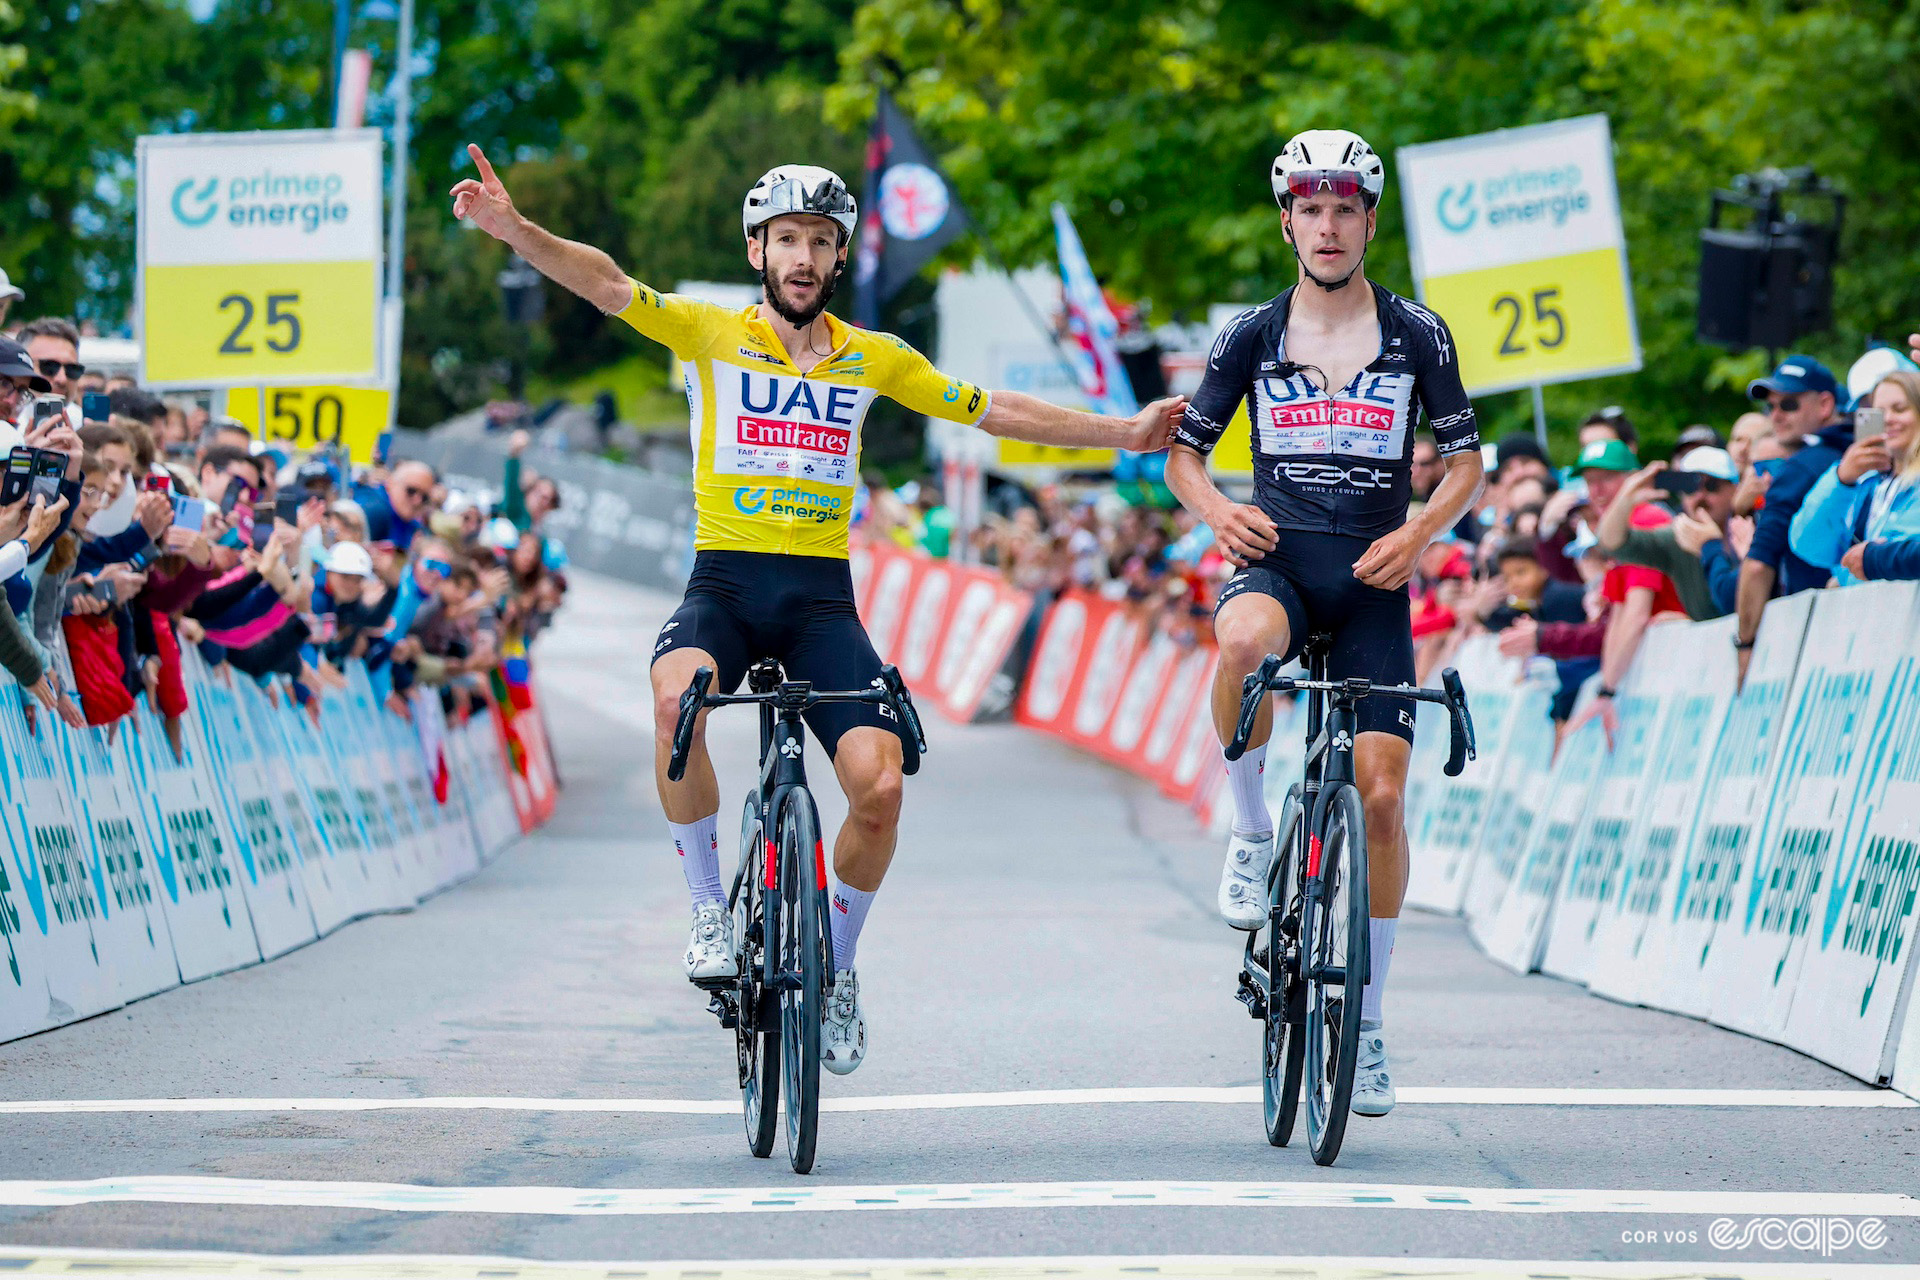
(1537, 322)
(227, 324)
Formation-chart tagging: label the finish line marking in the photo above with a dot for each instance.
(791, 1198)
(128, 1262)
(1869, 1099)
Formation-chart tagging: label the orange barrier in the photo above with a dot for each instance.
(948, 627)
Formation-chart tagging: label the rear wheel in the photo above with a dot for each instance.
(1335, 963)
(756, 1038)
(1283, 1056)
(801, 957)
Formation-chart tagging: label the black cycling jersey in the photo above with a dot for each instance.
(1340, 463)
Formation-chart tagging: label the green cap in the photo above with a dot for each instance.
(1607, 455)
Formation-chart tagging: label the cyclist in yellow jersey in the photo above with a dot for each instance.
(778, 393)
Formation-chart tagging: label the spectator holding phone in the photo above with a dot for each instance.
(1861, 520)
(1801, 397)
(54, 344)
(1682, 548)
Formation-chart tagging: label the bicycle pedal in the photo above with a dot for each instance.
(715, 984)
(725, 1008)
(1250, 995)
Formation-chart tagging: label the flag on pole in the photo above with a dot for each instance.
(1091, 328)
(908, 213)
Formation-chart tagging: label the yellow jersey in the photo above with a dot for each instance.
(776, 452)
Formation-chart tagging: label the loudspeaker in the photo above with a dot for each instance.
(1772, 283)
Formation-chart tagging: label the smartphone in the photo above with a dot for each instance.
(45, 407)
(1677, 482)
(157, 482)
(13, 486)
(102, 590)
(1770, 467)
(1869, 422)
(262, 534)
(48, 468)
(287, 505)
(189, 513)
(96, 406)
(263, 516)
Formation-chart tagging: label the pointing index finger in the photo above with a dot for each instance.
(480, 162)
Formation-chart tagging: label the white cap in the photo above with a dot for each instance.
(1709, 461)
(501, 534)
(8, 289)
(351, 559)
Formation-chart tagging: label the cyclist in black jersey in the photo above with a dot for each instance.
(1334, 373)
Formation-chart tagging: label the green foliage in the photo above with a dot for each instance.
(637, 124)
(1156, 124)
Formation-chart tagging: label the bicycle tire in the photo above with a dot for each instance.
(1338, 937)
(756, 1040)
(1283, 1042)
(801, 1007)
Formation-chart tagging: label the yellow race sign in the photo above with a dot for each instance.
(260, 323)
(1538, 322)
(1517, 244)
(259, 257)
(300, 419)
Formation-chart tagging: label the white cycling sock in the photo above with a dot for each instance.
(698, 844)
(1250, 817)
(849, 914)
(1380, 945)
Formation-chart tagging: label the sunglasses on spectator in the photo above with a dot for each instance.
(1785, 404)
(418, 495)
(440, 567)
(52, 368)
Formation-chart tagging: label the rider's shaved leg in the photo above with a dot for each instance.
(1380, 769)
(1249, 628)
(867, 762)
(692, 804)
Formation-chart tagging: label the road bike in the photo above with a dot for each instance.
(1302, 974)
(783, 943)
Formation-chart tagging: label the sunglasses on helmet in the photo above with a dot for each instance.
(828, 198)
(1342, 184)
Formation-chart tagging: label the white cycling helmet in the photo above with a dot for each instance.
(799, 188)
(1335, 160)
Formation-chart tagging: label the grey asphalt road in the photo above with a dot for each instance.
(1047, 927)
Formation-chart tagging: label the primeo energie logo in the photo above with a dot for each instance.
(1518, 198)
(308, 201)
(819, 507)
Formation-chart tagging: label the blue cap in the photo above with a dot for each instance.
(1794, 375)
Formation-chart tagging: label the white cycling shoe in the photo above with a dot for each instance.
(1372, 1086)
(1243, 882)
(843, 1030)
(710, 945)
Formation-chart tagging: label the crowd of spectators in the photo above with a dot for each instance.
(1817, 485)
(162, 526)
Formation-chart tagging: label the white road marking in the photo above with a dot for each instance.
(127, 1262)
(792, 1197)
(1231, 1095)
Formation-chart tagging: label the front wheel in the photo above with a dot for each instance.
(756, 1038)
(1283, 1046)
(803, 975)
(1335, 960)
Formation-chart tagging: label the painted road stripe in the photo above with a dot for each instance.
(127, 1262)
(789, 1197)
(1239, 1096)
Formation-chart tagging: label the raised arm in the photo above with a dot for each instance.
(1024, 417)
(578, 267)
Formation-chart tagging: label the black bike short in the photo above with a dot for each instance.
(1311, 575)
(742, 606)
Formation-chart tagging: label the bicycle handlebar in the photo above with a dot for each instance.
(1452, 695)
(888, 691)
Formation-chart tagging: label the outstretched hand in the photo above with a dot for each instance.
(484, 202)
(1151, 430)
